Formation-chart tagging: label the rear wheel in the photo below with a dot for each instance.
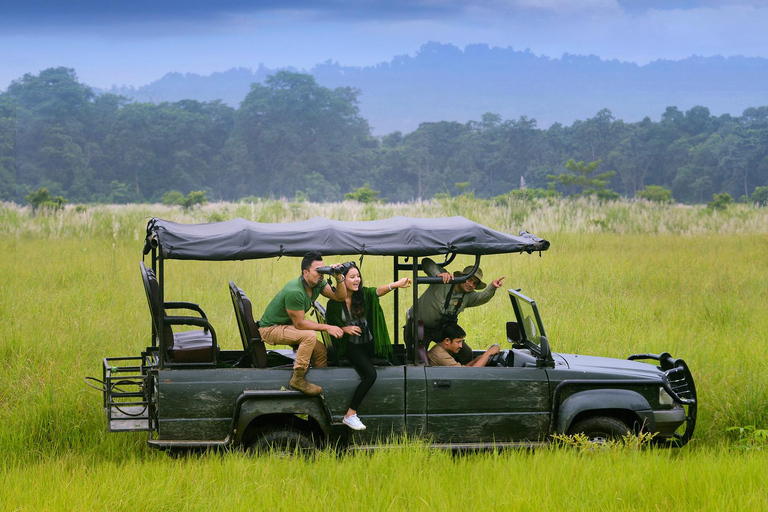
(282, 440)
(600, 429)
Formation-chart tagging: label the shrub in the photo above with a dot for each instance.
(749, 437)
(760, 196)
(174, 197)
(720, 202)
(42, 199)
(364, 194)
(194, 198)
(656, 194)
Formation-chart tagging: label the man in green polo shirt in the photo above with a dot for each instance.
(284, 321)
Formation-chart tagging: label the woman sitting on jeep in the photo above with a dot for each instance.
(365, 333)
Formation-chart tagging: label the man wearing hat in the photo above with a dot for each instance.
(442, 303)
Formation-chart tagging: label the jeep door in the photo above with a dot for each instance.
(383, 408)
(487, 404)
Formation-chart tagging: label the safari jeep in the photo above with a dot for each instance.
(186, 392)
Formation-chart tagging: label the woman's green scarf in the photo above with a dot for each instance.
(382, 345)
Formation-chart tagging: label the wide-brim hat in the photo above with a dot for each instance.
(479, 275)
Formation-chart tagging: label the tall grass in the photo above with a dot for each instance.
(405, 477)
(540, 216)
(71, 295)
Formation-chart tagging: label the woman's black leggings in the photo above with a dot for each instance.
(358, 356)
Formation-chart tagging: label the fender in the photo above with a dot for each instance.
(254, 403)
(601, 399)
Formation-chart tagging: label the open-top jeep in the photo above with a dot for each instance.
(186, 392)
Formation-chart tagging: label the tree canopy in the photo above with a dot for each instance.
(291, 137)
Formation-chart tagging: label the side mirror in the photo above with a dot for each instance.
(513, 332)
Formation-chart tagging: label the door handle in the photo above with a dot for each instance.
(441, 384)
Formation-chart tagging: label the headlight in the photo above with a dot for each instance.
(665, 398)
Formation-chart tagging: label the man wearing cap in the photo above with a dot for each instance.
(442, 303)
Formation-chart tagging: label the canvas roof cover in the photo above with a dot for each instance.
(240, 239)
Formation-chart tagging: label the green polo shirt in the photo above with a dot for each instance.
(292, 297)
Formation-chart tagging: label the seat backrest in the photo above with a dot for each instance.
(156, 309)
(421, 350)
(249, 329)
(319, 312)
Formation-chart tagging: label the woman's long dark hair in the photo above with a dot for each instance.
(357, 308)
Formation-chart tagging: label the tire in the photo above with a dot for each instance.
(282, 440)
(600, 429)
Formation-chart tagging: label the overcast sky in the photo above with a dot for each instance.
(121, 42)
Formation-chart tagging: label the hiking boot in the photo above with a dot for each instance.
(353, 422)
(299, 383)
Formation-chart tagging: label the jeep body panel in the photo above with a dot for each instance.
(596, 400)
(487, 404)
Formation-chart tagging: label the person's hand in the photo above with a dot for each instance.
(493, 349)
(447, 277)
(338, 275)
(352, 329)
(402, 283)
(334, 331)
(498, 283)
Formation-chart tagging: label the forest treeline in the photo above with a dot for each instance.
(291, 136)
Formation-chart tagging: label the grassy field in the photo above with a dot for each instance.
(619, 278)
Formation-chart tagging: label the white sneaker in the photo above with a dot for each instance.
(354, 422)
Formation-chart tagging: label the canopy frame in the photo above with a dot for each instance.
(241, 240)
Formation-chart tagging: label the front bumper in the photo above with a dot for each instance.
(678, 382)
(667, 422)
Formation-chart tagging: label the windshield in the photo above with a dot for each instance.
(528, 317)
(529, 325)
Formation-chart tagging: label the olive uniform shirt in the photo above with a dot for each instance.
(432, 301)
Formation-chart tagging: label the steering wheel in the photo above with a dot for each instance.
(499, 359)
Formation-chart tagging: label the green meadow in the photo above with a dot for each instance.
(620, 278)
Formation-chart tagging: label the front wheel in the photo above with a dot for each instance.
(282, 440)
(600, 429)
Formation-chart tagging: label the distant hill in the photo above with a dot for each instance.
(445, 83)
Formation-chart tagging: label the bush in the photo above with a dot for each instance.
(749, 437)
(760, 196)
(364, 194)
(656, 194)
(194, 198)
(720, 202)
(42, 199)
(174, 197)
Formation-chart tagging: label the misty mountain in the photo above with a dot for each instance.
(445, 83)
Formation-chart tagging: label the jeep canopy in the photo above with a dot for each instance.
(240, 239)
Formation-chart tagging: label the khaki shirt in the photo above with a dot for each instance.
(438, 356)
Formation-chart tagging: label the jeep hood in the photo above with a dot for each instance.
(607, 367)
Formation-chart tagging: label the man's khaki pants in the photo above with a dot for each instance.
(308, 346)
